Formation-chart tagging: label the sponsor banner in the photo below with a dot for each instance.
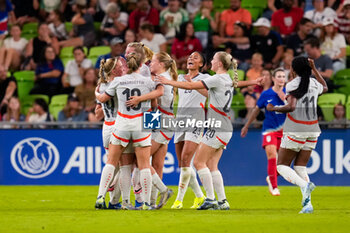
(76, 157)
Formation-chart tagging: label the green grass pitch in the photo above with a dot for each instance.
(71, 209)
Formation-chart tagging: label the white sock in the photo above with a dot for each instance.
(137, 185)
(146, 183)
(106, 179)
(207, 181)
(218, 183)
(116, 193)
(125, 182)
(301, 171)
(185, 176)
(154, 194)
(194, 185)
(157, 181)
(291, 176)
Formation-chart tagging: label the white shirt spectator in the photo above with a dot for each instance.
(332, 47)
(59, 32)
(72, 70)
(20, 45)
(317, 17)
(158, 39)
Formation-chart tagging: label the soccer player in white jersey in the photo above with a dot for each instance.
(301, 129)
(161, 65)
(110, 69)
(220, 91)
(129, 127)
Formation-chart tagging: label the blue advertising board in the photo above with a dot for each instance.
(76, 157)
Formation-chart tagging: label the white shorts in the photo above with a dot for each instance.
(107, 130)
(162, 137)
(296, 144)
(216, 140)
(137, 138)
(194, 135)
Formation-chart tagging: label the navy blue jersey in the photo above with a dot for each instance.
(273, 120)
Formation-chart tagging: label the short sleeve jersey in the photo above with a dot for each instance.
(110, 107)
(220, 92)
(131, 85)
(303, 120)
(273, 120)
(166, 101)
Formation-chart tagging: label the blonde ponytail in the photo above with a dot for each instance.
(106, 68)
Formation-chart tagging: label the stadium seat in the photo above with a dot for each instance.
(221, 4)
(28, 101)
(30, 28)
(97, 51)
(328, 101)
(69, 26)
(237, 103)
(181, 72)
(256, 12)
(67, 52)
(57, 104)
(254, 4)
(29, 36)
(25, 82)
(347, 108)
(342, 78)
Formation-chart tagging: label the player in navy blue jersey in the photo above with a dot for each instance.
(272, 126)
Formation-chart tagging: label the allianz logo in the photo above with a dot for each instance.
(38, 158)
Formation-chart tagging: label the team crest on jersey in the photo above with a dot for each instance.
(151, 120)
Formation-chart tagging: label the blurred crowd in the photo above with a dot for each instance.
(282, 30)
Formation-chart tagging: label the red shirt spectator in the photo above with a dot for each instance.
(287, 18)
(229, 17)
(142, 14)
(185, 48)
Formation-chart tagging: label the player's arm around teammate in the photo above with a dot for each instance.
(301, 129)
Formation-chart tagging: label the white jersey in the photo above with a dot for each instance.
(302, 121)
(191, 100)
(220, 92)
(145, 71)
(110, 107)
(166, 101)
(131, 85)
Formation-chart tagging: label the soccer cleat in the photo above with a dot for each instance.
(275, 192)
(177, 205)
(306, 192)
(164, 197)
(117, 206)
(100, 203)
(224, 205)
(209, 205)
(308, 209)
(198, 201)
(127, 206)
(147, 206)
(138, 205)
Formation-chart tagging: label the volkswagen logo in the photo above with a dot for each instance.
(34, 157)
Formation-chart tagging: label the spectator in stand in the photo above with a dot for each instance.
(268, 43)
(343, 20)
(48, 74)
(286, 19)
(36, 45)
(296, 40)
(144, 13)
(25, 11)
(192, 7)
(171, 18)
(155, 41)
(75, 69)
(286, 64)
(13, 112)
(117, 49)
(339, 120)
(13, 49)
(73, 111)
(272, 6)
(184, 45)
(114, 23)
(323, 62)
(129, 37)
(6, 16)
(39, 113)
(57, 26)
(318, 14)
(238, 45)
(45, 7)
(8, 88)
(205, 22)
(333, 44)
(86, 91)
(230, 16)
(84, 30)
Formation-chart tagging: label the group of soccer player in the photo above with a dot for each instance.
(143, 81)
